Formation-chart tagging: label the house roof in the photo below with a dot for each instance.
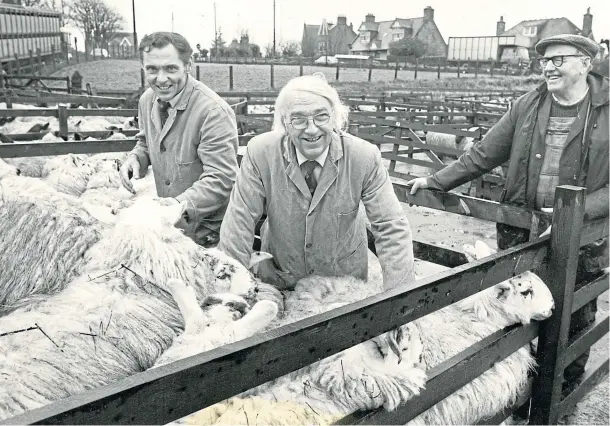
(311, 31)
(544, 28)
(382, 38)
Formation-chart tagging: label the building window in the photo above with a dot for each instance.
(530, 31)
(396, 36)
(364, 37)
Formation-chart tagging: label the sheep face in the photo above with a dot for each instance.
(526, 297)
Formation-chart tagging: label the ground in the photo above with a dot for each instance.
(432, 226)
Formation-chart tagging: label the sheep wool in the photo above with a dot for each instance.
(43, 237)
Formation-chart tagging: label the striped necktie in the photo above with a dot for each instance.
(308, 167)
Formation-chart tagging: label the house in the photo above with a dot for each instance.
(374, 37)
(327, 38)
(121, 44)
(527, 33)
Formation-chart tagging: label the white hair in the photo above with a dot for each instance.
(315, 84)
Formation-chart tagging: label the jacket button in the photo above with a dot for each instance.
(538, 156)
(309, 245)
(167, 182)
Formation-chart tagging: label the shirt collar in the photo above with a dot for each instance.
(320, 160)
(174, 101)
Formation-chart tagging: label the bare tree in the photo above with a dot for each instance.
(42, 4)
(98, 21)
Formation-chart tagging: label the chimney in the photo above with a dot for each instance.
(500, 26)
(370, 18)
(587, 23)
(428, 14)
(341, 20)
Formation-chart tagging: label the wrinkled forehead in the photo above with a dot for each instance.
(561, 49)
(304, 103)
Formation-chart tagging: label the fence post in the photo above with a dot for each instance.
(370, 69)
(32, 72)
(62, 117)
(568, 215)
(476, 69)
(416, 66)
(53, 56)
(301, 67)
(39, 57)
(68, 85)
(337, 73)
(77, 82)
(230, 77)
(272, 85)
(491, 68)
(396, 70)
(197, 73)
(75, 50)
(142, 79)
(458, 69)
(438, 71)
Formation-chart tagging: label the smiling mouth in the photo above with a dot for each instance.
(553, 77)
(164, 87)
(317, 138)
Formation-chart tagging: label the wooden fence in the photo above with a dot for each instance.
(166, 394)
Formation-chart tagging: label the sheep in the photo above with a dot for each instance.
(44, 235)
(448, 331)
(430, 340)
(5, 139)
(383, 371)
(68, 173)
(205, 330)
(114, 320)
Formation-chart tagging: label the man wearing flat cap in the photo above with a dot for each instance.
(556, 134)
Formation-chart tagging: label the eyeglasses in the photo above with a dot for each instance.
(557, 60)
(301, 122)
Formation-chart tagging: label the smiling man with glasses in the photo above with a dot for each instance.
(309, 177)
(557, 134)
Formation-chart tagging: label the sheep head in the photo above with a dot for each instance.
(525, 297)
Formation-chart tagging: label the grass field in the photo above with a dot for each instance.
(115, 74)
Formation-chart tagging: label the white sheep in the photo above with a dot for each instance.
(429, 340)
(449, 331)
(215, 326)
(115, 320)
(45, 234)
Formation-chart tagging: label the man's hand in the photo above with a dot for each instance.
(417, 183)
(166, 201)
(548, 230)
(131, 167)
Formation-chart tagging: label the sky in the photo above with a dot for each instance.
(455, 18)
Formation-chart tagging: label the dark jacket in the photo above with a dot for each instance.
(519, 136)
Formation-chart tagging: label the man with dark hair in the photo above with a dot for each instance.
(188, 134)
(557, 134)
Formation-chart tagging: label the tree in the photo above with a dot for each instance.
(408, 46)
(218, 44)
(42, 4)
(98, 21)
(290, 48)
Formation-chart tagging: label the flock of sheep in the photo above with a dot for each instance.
(97, 284)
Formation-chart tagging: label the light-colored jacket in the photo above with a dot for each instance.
(324, 235)
(194, 156)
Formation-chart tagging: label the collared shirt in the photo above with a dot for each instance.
(321, 159)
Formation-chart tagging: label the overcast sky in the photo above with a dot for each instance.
(454, 18)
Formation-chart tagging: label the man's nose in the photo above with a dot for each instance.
(311, 127)
(549, 66)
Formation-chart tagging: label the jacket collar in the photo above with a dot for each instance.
(598, 88)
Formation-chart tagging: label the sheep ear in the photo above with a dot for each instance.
(482, 249)
(257, 257)
(503, 290)
(101, 213)
(469, 252)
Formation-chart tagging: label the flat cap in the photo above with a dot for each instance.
(584, 44)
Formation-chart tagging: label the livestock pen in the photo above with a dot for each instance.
(178, 389)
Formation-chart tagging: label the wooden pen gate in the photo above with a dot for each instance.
(165, 394)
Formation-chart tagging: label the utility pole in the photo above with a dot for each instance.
(135, 35)
(215, 33)
(172, 21)
(274, 29)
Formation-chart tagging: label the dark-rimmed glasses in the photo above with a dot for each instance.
(557, 60)
(301, 122)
